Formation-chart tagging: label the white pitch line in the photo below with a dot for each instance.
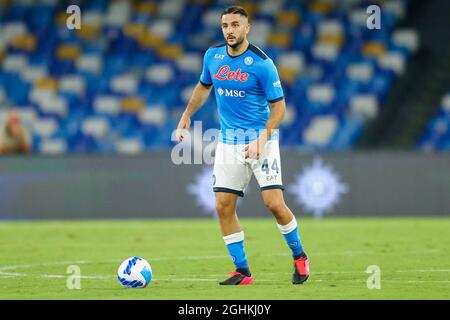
(212, 257)
(174, 278)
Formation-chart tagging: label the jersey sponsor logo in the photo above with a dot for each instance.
(277, 83)
(219, 56)
(224, 73)
(231, 92)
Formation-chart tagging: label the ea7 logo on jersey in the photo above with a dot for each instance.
(231, 93)
(219, 56)
(224, 73)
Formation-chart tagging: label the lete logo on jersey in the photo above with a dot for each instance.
(224, 73)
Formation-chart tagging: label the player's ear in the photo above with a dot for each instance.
(249, 28)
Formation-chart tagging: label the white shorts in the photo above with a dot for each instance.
(232, 172)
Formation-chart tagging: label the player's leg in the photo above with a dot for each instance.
(286, 222)
(231, 176)
(268, 173)
(233, 237)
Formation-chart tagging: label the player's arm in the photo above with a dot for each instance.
(255, 148)
(271, 84)
(273, 123)
(199, 95)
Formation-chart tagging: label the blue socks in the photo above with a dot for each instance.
(290, 233)
(235, 246)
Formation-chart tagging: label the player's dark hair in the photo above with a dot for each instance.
(235, 9)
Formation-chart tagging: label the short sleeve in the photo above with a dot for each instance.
(205, 77)
(270, 82)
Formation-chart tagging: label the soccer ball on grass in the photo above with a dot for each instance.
(134, 272)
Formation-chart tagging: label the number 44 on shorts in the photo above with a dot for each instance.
(274, 166)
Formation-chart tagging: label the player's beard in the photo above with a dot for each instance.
(238, 43)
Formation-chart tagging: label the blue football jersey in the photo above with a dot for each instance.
(244, 86)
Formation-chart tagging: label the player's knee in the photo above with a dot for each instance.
(276, 206)
(224, 208)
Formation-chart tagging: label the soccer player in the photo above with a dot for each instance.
(251, 106)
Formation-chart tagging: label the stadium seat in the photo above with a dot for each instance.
(132, 68)
(321, 130)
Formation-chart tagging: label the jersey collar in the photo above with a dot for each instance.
(226, 49)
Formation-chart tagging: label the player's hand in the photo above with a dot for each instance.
(255, 148)
(183, 127)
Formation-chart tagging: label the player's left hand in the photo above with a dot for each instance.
(255, 148)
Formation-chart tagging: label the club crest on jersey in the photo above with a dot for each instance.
(248, 60)
(225, 73)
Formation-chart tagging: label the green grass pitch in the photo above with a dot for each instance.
(188, 258)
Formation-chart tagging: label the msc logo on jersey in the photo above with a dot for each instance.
(231, 93)
(224, 73)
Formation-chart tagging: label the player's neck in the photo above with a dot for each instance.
(239, 49)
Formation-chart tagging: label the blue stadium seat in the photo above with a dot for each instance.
(330, 64)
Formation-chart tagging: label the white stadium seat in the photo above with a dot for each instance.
(395, 7)
(322, 93)
(33, 73)
(72, 84)
(97, 127)
(15, 62)
(171, 9)
(53, 147)
(408, 38)
(162, 27)
(363, 72)
(321, 130)
(14, 29)
(446, 103)
(129, 146)
(54, 105)
(45, 127)
(159, 73)
(394, 61)
(190, 62)
(37, 95)
(271, 7)
(107, 105)
(155, 115)
(211, 18)
(292, 60)
(92, 18)
(127, 84)
(364, 106)
(330, 27)
(92, 63)
(358, 17)
(118, 13)
(325, 51)
(261, 30)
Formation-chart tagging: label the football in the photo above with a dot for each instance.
(134, 272)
